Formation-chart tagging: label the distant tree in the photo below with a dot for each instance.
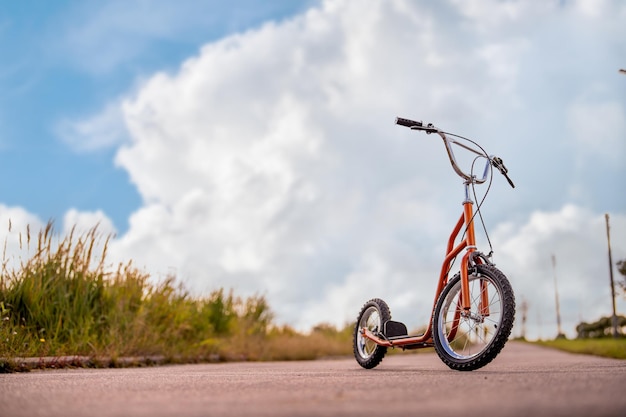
(601, 328)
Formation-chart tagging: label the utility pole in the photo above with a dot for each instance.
(539, 324)
(556, 298)
(608, 239)
(524, 308)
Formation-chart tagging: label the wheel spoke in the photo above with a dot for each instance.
(476, 328)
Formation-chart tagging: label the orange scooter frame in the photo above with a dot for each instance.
(469, 243)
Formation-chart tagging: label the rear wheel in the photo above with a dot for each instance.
(468, 340)
(373, 315)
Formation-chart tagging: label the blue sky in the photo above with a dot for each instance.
(66, 60)
(250, 145)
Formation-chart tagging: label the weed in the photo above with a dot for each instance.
(65, 300)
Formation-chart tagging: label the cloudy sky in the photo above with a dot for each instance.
(251, 145)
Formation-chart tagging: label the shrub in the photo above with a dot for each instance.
(65, 300)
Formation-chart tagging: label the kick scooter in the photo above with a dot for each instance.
(473, 311)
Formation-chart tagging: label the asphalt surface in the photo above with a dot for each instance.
(524, 380)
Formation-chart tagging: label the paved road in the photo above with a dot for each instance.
(524, 381)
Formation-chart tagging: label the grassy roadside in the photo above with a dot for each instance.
(607, 347)
(65, 300)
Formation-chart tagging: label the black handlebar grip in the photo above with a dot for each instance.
(407, 122)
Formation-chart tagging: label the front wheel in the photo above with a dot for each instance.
(374, 314)
(468, 340)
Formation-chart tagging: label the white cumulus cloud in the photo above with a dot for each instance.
(269, 161)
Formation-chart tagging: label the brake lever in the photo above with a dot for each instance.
(497, 163)
(429, 128)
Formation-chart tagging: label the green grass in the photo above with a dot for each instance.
(607, 347)
(66, 300)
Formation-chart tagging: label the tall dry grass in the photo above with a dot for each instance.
(65, 300)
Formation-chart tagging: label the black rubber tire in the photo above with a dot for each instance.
(479, 338)
(373, 315)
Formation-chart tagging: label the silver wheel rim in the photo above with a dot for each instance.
(372, 322)
(475, 332)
